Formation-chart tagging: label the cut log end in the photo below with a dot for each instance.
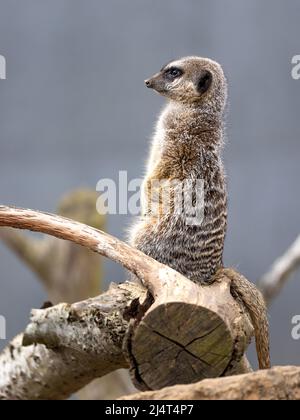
(180, 343)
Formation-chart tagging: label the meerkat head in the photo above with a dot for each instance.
(191, 80)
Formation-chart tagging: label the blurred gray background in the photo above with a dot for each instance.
(74, 110)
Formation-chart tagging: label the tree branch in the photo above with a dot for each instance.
(144, 267)
(211, 342)
(273, 282)
(279, 383)
(70, 273)
(67, 346)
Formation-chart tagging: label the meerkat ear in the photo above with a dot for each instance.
(204, 82)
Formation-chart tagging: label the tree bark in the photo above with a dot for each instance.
(189, 333)
(279, 383)
(70, 273)
(203, 331)
(66, 346)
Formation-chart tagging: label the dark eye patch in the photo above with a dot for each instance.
(204, 82)
(173, 73)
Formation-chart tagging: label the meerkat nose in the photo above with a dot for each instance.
(148, 83)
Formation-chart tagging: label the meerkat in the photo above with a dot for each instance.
(186, 147)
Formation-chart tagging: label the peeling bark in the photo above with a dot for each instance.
(99, 335)
(67, 346)
(70, 273)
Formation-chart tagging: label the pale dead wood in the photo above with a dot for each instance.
(70, 273)
(279, 383)
(189, 333)
(273, 282)
(144, 267)
(88, 336)
(67, 346)
(227, 326)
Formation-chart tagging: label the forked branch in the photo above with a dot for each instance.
(211, 341)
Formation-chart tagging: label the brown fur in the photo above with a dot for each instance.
(187, 147)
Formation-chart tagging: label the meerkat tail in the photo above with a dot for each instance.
(256, 306)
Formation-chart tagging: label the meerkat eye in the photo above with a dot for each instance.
(204, 82)
(173, 73)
